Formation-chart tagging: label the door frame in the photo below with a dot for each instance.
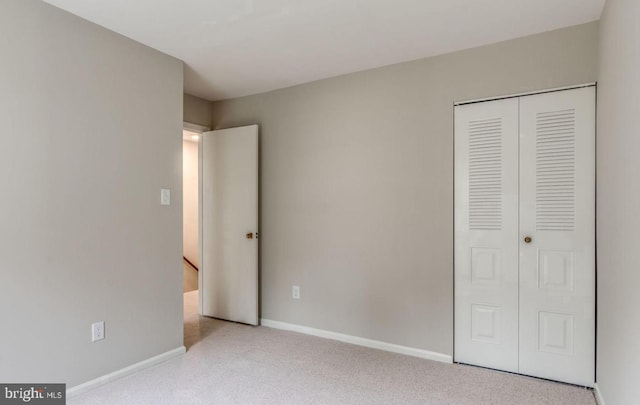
(198, 129)
(453, 274)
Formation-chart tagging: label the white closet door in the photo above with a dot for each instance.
(557, 211)
(486, 234)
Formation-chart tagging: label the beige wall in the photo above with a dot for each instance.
(91, 130)
(357, 184)
(197, 110)
(190, 201)
(618, 202)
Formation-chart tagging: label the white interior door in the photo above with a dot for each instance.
(525, 235)
(557, 211)
(229, 212)
(486, 234)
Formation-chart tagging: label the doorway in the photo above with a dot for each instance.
(190, 210)
(191, 136)
(220, 223)
(190, 205)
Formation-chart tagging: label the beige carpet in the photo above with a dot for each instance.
(229, 363)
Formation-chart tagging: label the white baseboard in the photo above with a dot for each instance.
(598, 394)
(89, 385)
(374, 344)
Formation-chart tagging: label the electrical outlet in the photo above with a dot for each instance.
(97, 331)
(296, 292)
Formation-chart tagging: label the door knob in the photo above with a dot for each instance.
(250, 235)
(527, 239)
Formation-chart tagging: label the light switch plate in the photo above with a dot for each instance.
(165, 196)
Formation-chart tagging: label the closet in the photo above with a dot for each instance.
(525, 234)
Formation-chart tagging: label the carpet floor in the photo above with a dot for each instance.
(229, 363)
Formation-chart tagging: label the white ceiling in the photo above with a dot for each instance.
(233, 48)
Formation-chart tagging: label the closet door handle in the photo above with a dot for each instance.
(527, 239)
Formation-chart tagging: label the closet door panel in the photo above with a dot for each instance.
(486, 234)
(557, 213)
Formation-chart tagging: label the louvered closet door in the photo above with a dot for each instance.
(486, 234)
(557, 211)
